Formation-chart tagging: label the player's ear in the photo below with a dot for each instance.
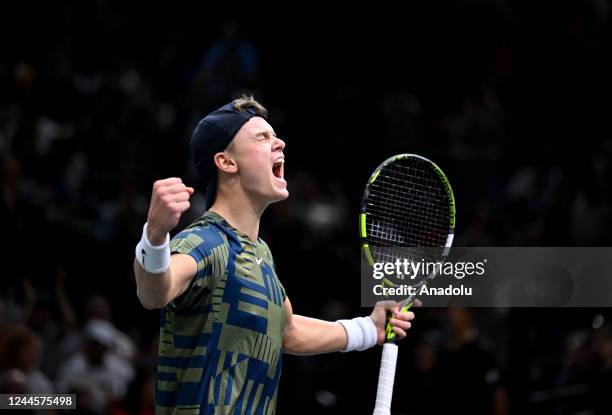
(225, 162)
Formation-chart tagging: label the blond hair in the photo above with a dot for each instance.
(245, 102)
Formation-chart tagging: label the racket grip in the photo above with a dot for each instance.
(386, 378)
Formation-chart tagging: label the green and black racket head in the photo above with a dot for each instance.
(407, 212)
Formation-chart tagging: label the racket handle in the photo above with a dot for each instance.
(386, 378)
(389, 333)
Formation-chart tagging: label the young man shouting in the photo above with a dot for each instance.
(225, 316)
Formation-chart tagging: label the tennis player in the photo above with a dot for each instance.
(225, 316)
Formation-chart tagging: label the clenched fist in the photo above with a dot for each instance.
(169, 200)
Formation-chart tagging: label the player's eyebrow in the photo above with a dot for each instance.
(265, 132)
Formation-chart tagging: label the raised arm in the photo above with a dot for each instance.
(305, 335)
(160, 278)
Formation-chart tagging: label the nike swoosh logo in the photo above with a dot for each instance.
(258, 260)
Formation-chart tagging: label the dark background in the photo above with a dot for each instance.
(511, 99)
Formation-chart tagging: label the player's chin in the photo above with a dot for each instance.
(280, 191)
(280, 195)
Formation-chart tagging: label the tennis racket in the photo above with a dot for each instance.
(407, 212)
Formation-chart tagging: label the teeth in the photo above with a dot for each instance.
(279, 161)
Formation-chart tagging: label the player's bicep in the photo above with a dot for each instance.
(288, 311)
(183, 269)
(289, 320)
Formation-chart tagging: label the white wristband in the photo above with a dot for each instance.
(361, 333)
(155, 259)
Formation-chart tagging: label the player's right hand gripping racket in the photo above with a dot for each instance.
(407, 212)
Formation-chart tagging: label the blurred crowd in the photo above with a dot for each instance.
(92, 359)
(95, 111)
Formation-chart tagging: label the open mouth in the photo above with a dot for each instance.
(278, 168)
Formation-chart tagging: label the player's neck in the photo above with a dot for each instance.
(240, 212)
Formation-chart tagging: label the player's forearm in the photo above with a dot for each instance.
(307, 336)
(153, 290)
(155, 285)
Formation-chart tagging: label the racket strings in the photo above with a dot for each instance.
(408, 206)
(410, 190)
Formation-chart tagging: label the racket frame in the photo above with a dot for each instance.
(386, 377)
